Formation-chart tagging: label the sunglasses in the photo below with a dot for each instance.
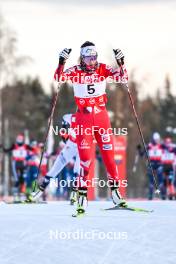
(88, 59)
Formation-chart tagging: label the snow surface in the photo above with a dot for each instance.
(25, 234)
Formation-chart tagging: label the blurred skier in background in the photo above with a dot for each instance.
(18, 152)
(168, 169)
(32, 162)
(155, 150)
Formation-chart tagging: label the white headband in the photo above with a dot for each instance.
(88, 51)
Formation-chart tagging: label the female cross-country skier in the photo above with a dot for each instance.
(89, 83)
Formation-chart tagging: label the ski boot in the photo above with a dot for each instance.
(81, 202)
(117, 198)
(35, 196)
(73, 196)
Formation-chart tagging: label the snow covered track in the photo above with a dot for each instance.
(46, 233)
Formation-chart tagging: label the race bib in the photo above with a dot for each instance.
(168, 156)
(155, 153)
(89, 90)
(19, 153)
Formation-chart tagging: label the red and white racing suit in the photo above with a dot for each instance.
(92, 117)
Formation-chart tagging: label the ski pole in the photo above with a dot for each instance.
(50, 120)
(143, 141)
(47, 132)
(120, 63)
